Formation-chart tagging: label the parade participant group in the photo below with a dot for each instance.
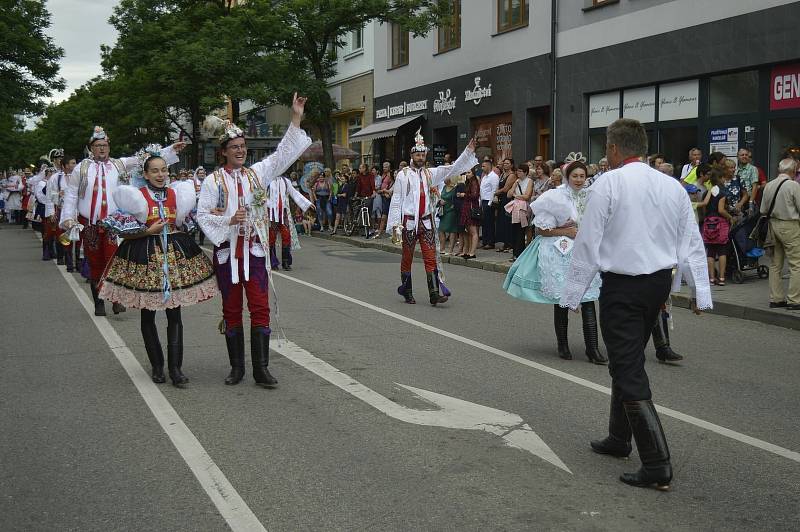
(136, 231)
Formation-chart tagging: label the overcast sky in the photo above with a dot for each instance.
(80, 27)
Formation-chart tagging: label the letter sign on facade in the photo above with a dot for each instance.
(785, 87)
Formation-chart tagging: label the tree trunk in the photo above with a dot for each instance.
(234, 111)
(326, 134)
(196, 118)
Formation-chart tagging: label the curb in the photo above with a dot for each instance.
(778, 318)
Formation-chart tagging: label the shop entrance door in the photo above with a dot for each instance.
(445, 141)
(675, 143)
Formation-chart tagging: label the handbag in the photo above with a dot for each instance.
(475, 213)
(761, 230)
(715, 230)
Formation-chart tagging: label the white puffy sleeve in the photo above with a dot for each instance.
(216, 227)
(290, 148)
(464, 162)
(169, 155)
(692, 264)
(395, 217)
(69, 207)
(130, 201)
(186, 200)
(586, 251)
(549, 210)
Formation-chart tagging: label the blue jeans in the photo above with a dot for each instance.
(324, 210)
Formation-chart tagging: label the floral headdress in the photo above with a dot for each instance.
(571, 158)
(98, 134)
(230, 131)
(137, 174)
(419, 143)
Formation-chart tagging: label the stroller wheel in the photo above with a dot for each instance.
(763, 272)
(738, 276)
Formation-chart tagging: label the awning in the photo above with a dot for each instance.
(381, 130)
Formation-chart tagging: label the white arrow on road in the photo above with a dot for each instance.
(452, 413)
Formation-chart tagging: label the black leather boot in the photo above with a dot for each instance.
(561, 321)
(618, 441)
(273, 257)
(175, 354)
(405, 288)
(59, 254)
(286, 258)
(153, 347)
(259, 352)
(117, 308)
(664, 352)
(234, 339)
(68, 259)
(46, 250)
(590, 337)
(99, 305)
(656, 470)
(433, 290)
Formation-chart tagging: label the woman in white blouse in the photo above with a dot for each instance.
(538, 275)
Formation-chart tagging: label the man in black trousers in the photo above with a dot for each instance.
(637, 227)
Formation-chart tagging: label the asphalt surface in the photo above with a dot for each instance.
(80, 450)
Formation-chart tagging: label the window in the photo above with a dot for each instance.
(399, 46)
(511, 14)
(354, 126)
(450, 35)
(733, 93)
(357, 39)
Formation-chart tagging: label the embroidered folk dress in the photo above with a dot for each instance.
(539, 272)
(135, 274)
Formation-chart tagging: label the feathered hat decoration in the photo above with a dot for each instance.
(98, 134)
(419, 143)
(137, 174)
(230, 131)
(571, 158)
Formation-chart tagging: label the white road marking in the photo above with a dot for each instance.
(722, 431)
(222, 493)
(452, 413)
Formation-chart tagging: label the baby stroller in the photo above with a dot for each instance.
(744, 255)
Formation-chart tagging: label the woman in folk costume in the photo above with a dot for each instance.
(539, 272)
(158, 266)
(281, 219)
(231, 212)
(412, 216)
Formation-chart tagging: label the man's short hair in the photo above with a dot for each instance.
(787, 166)
(666, 168)
(628, 136)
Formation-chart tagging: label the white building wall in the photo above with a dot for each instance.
(481, 47)
(352, 63)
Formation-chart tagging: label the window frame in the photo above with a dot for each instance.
(503, 5)
(401, 36)
(451, 31)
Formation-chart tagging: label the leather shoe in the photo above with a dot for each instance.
(793, 306)
(779, 304)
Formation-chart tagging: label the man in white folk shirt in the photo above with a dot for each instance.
(56, 187)
(280, 218)
(89, 198)
(411, 214)
(224, 214)
(637, 227)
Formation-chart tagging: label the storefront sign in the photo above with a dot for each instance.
(444, 103)
(493, 136)
(725, 140)
(678, 100)
(640, 104)
(603, 109)
(478, 93)
(439, 151)
(785, 87)
(390, 111)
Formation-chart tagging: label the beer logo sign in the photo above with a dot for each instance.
(478, 93)
(444, 103)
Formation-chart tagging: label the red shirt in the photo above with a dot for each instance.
(365, 185)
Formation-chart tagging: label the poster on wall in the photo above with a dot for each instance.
(785, 87)
(678, 101)
(603, 109)
(725, 140)
(439, 151)
(640, 104)
(493, 136)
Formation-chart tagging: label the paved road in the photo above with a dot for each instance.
(81, 450)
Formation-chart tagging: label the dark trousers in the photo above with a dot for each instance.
(487, 224)
(629, 306)
(518, 239)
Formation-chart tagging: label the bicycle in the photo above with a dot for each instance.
(357, 216)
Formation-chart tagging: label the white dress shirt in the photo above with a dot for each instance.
(489, 185)
(637, 221)
(55, 185)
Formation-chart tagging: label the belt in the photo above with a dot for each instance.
(409, 217)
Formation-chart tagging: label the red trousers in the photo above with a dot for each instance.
(99, 247)
(233, 294)
(286, 237)
(427, 243)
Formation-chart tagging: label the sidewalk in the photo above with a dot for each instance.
(747, 301)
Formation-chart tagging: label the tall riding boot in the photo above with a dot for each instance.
(433, 289)
(234, 339)
(77, 249)
(656, 470)
(273, 257)
(561, 322)
(46, 250)
(53, 249)
(286, 258)
(259, 352)
(405, 288)
(618, 441)
(60, 254)
(153, 347)
(118, 307)
(175, 354)
(99, 305)
(440, 283)
(589, 316)
(664, 352)
(68, 259)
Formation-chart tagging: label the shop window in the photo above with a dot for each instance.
(733, 93)
(450, 34)
(511, 14)
(399, 46)
(784, 140)
(675, 145)
(597, 146)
